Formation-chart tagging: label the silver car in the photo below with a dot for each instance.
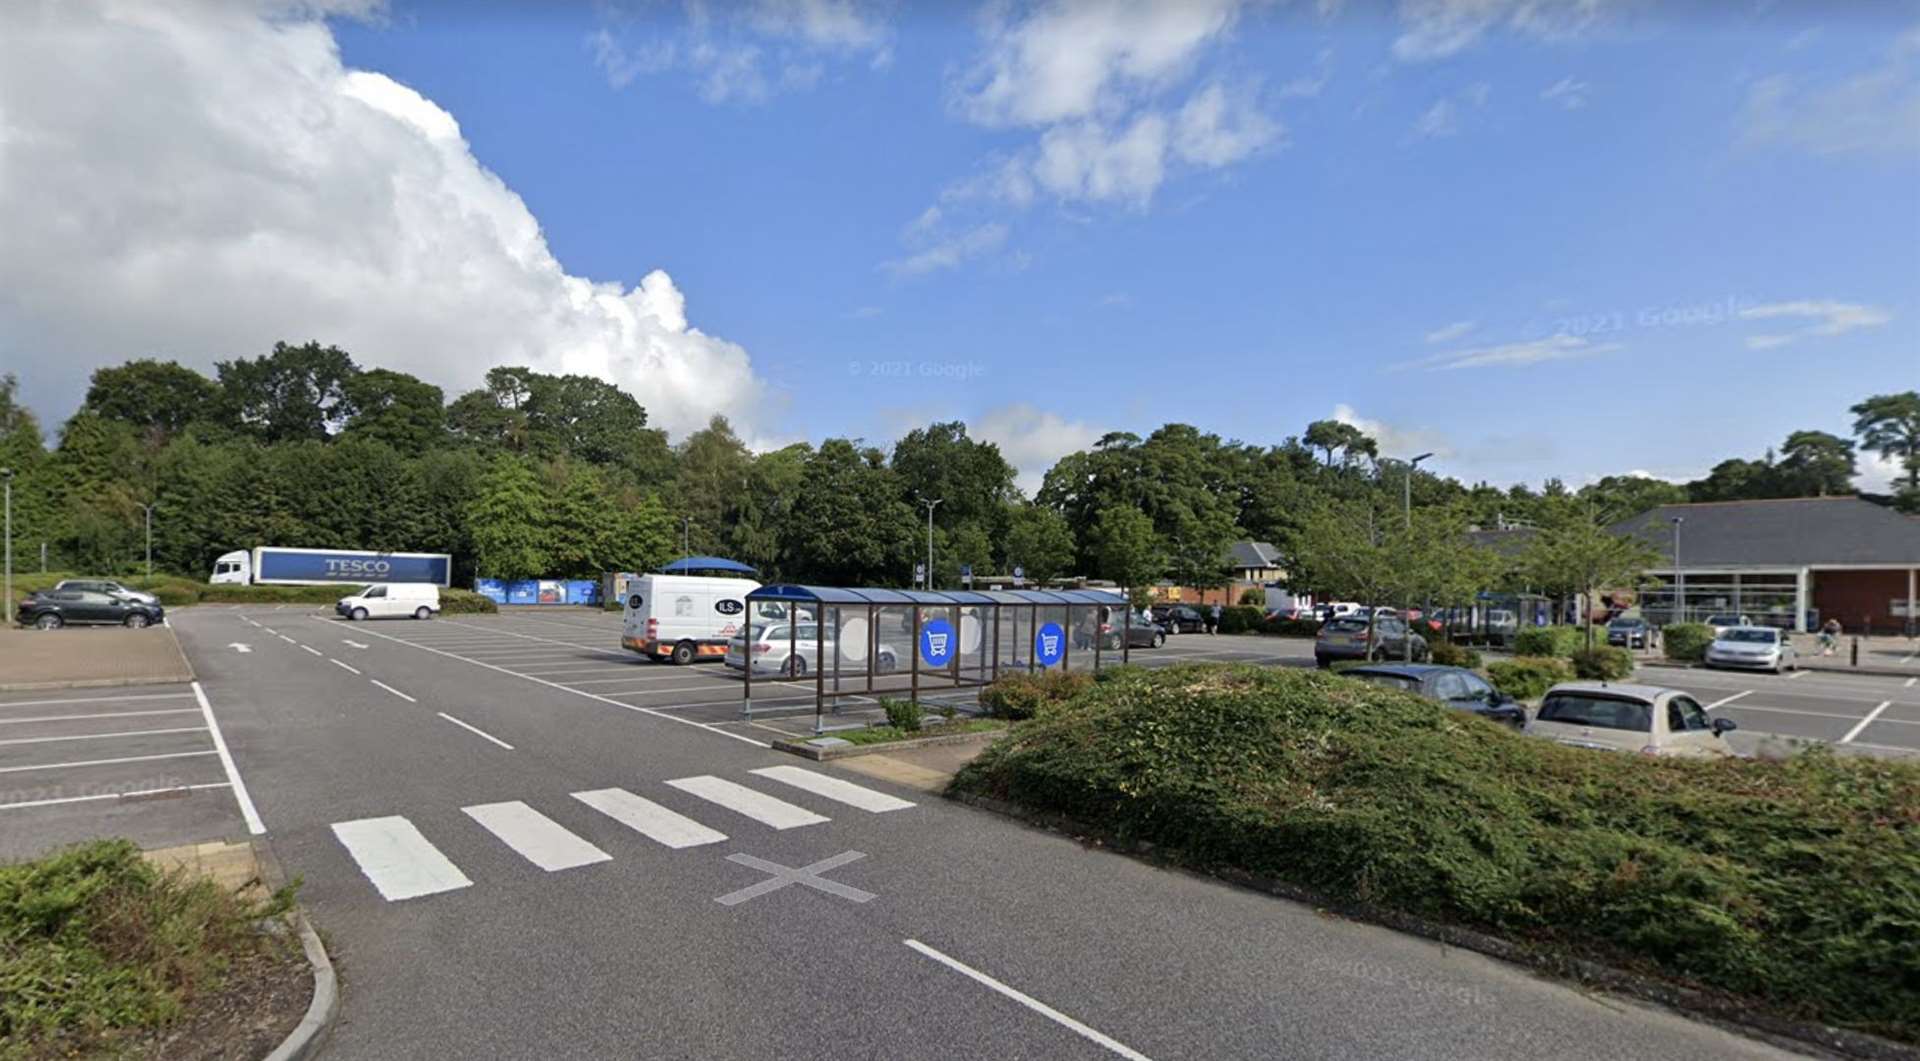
(106, 586)
(1630, 718)
(1752, 648)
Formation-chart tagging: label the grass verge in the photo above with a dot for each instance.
(890, 734)
(1794, 884)
(98, 949)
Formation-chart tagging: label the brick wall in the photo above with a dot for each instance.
(1851, 596)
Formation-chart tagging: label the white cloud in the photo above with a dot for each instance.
(743, 52)
(1877, 474)
(1448, 333)
(1395, 441)
(1309, 86)
(865, 313)
(197, 181)
(1833, 318)
(1519, 355)
(1443, 118)
(1874, 111)
(1032, 439)
(1436, 29)
(940, 250)
(1568, 93)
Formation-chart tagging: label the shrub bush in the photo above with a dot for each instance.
(464, 602)
(1686, 641)
(1447, 654)
(1528, 677)
(1291, 627)
(1791, 884)
(1021, 696)
(1561, 641)
(1604, 663)
(903, 715)
(1239, 620)
(1254, 597)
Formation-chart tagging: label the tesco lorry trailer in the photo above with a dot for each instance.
(269, 566)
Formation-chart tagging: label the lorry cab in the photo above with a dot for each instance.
(234, 568)
(392, 600)
(684, 617)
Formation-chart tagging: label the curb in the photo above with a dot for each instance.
(1692, 1003)
(310, 1034)
(1873, 672)
(93, 683)
(817, 754)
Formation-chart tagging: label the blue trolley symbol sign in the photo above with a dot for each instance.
(1049, 644)
(937, 642)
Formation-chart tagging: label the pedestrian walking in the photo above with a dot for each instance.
(1213, 622)
(1829, 637)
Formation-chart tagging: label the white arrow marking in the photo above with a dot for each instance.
(238, 647)
(355, 644)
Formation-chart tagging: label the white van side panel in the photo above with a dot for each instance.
(672, 609)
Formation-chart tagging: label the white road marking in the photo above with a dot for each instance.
(743, 800)
(621, 652)
(1865, 722)
(1794, 711)
(1031, 1003)
(833, 788)
(711, 683)
(269, 629)
(538, 838)
(394, 691)
(99, 699)
(578, 692)
(343, 666)
(310, 648)
(237, 646)
(102, 762)
(1910, 682)
(476, 730)
(354, 644)
(104, 714)
(247, 809)
(1729, 699)
(1797, 675)
(103, 736)
(649, 819)
(399, 861)
(111, 795)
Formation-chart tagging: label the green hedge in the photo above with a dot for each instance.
(1528, 677)
(1686, 641)
(175, 592)
(1561, 641)
(465, 602)
(1604, 663)
(1291, 627)
(1239, 620)
(1021, 696)
(1794, 885)
(1447, 654)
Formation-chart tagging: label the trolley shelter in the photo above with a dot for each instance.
(870, 641)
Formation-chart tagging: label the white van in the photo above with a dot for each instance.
(683, 617)
(392, 600)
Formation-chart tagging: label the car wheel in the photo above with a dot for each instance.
(423, 612)
(885, 664)
(1320, 662)
(358, 615)
(683, 653)
(48, 622)
(795, 667)
(1159, 639)
(135, 621)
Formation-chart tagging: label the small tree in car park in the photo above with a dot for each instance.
(1575, 553)
(1340, 553)
(1126, 549)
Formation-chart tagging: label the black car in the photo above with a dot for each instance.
(1180, 619)
(1111, 624)
(53, 609)
(1628, 633)
(1453, 686)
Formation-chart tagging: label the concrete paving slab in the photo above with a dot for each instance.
(78, 657)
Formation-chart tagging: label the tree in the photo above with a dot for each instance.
(1736, 480)
(1816, 464)
(1039, 542)
(972, 479)
(397, 409)
(1889, 424)
(1577, 554)
(23, 449)
(1125, 548)
(641, 538)
(507, 522)
(711, 483)
(150, 395)
(1624, 496)
(848, 525)
(1332, 435)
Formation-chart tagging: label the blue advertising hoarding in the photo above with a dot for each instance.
(538, 591)
(350, 568)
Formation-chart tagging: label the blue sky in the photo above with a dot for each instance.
(1542, 239)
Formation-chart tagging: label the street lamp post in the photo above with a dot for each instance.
(6, 477)
(148, 509)
(931, 503)
(686, 536)
(1679, 575)
(1406, 502)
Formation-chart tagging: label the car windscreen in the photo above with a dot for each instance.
(1760, 637)
(1599, 712)
(1624, 624)
(1347, 626)
(1390, 681)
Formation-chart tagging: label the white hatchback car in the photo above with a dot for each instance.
(1630, 718)
(1752, 647)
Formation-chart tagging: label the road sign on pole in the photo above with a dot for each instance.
(919, 574)
(1019, 573)
(966, 575)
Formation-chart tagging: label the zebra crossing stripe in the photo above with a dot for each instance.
(833, 788)
(649, 819)
(743, 800)
(541, 840)
(399, 862)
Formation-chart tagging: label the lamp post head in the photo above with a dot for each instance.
(1415, 462)
(7, 474)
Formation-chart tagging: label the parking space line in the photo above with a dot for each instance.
(475, 730)
(1792, 711)
(348, 667)
(1865, 722)
(711, 678)
(247, 809)
(113, 795)
(99, 699)
(1910, 683)
(392, 690)
(1729, 699)
(269, 630)
(315, 651)
(101, 762)
(103, 736)
(1797, 675)
(1034, 1004)
(555, 641)
(107, 714)
(646, 691)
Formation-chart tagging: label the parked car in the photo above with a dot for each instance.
(1628, 632)
(1753, 647)
(1725, 622)
(55, 608)
(107, 586)
(1180, 618)
(1456, 687)
(1337, 610)
(790, 650)
(1347, 639)
(391, 600)
(1630, 718)
(1139, 633)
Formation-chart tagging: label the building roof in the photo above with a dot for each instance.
(1790, 532)
(936, 598)
(1253, 554)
